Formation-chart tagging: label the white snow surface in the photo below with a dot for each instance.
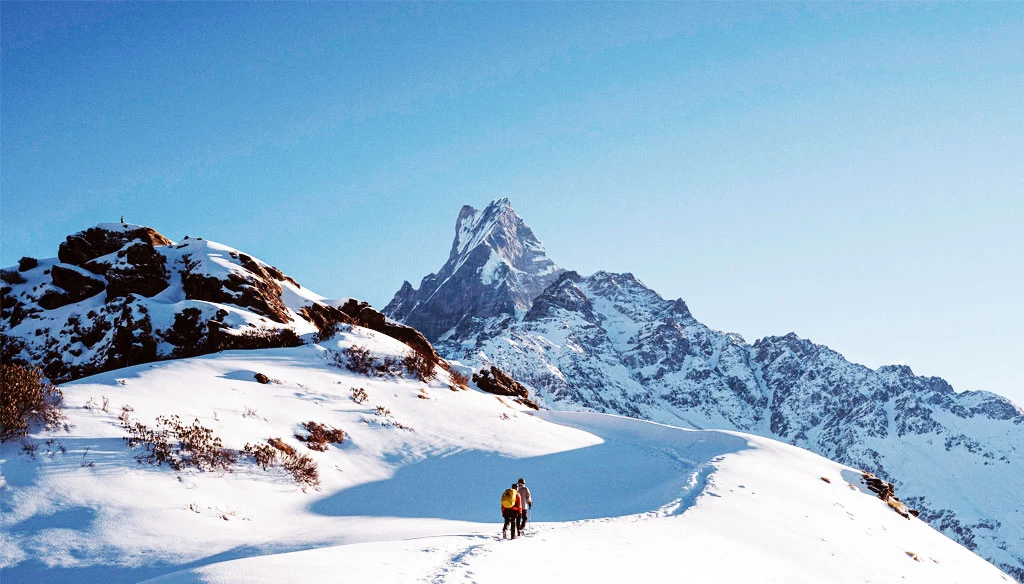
(616, 499)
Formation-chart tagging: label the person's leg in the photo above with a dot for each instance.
(522, 519)
(515, 524)
(504, 529)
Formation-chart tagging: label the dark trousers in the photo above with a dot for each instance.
(511, 518)
(522, 519)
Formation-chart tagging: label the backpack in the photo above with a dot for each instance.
(508, 499)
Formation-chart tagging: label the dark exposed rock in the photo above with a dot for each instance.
(94, 242)
(26, 263)
(364, 315)
(886, 491)
(326, 318)
(11, 277)
(257, 292)
(498, 382)
(142, 272)
(188, 333)
(77, 283)
(262, 378)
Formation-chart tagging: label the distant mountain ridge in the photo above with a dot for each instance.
(610, 344)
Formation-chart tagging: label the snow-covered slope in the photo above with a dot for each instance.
(412, 495)
(608, 343)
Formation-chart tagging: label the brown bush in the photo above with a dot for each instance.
(263, 454)
(281, 445)
(26, 398)
(196, 445)
(420, 366)
(261, 338)
(303, 469)
(359, 395)
(458, 379)
(388, 367)
(320, 436)
(359, 360)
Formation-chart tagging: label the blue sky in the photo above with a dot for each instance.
(848, 172)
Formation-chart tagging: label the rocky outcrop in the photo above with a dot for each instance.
(99, 241)
(256, 290)
(217, 298)
(140, 270)
(886, 491)
(364, 315)
(496, 381)
(76, 283)
(163, 300)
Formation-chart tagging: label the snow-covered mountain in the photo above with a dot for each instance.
(120, 294)
(495, 269)
(608, 343)
(411, 493)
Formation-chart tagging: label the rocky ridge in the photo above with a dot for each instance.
(119, 294)
(610, 344)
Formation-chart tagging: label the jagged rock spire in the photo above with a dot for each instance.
(496, 267)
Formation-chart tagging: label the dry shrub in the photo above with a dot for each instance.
(826, 479)
(359, 395)
(420, 366)
(320, 436)
(302, 468)
(388, 367)
(178, 445)
(263, 454)
(359, 360)
(26, 398)
(458, 380)
(281, 445)
(262, 338)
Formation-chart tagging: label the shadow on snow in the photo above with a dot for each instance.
(639, 467)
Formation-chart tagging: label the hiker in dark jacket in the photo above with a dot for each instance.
(511, 505)
(527, 502)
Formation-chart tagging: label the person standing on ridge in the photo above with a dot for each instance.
(527, 503)
(511, 504)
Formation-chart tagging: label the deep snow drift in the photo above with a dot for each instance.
(413, 495)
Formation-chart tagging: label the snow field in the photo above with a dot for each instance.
(617, 499)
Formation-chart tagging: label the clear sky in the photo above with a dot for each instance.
(851, 173)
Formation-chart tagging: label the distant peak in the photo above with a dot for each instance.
(498, 227)
(496, 266)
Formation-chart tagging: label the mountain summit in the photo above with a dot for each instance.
(496, 267)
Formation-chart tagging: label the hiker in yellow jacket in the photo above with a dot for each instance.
(511, 505)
